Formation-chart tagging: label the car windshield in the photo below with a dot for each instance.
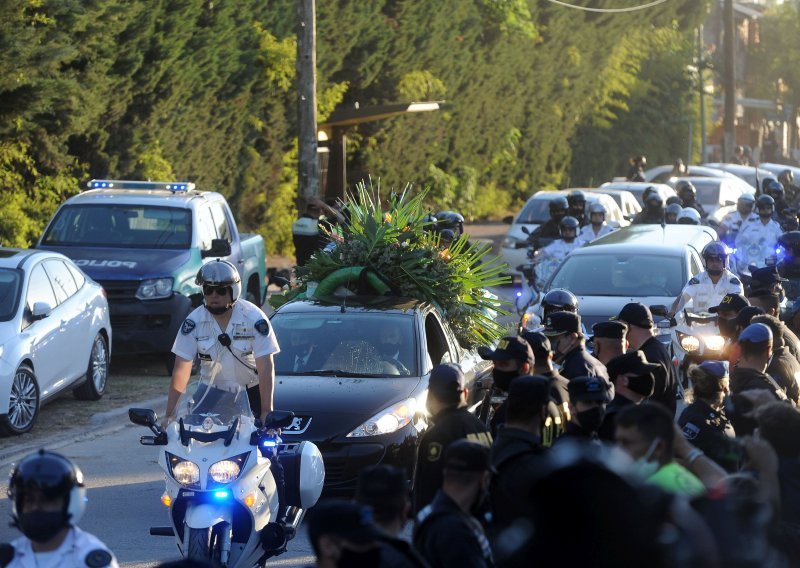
(345, 344)
(123, 226)
(10, 284)
(707, 192)
(212, 405)
(633, 275)
(535, 211)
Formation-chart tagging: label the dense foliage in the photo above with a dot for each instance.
(204, 90)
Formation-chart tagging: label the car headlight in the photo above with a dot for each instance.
(388, 420)
(184, 472)
(225, 471)
(155, 289)
(689, 343)
(714, 342)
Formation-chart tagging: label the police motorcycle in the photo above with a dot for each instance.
(221, 496)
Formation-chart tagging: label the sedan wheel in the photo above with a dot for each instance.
(23, 405)
(96, 373)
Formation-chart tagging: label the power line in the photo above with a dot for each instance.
(608, 10)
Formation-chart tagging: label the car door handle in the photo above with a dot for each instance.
(64, 324)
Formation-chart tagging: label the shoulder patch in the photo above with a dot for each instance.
(262, 327)
(187, 327)
(690, 431)
(98, 558)
(735, 280)
(434, 451)
(693, 281)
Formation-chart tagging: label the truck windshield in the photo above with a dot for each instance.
(121, 226)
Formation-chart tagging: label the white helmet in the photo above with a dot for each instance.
(689, 216)
(220, 273)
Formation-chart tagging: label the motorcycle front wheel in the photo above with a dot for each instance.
(198, 545)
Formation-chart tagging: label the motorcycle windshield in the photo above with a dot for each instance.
(213, 406)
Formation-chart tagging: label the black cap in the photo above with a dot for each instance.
(765, 276)
(466, 455)
(346, 519)
(610, 329)
(636, 314)
(532, 390)
(588, 388)
(511, 347)
(746, 314)
(733, 302)
(539, 343)
(634, 362)
(382, 483)
(447, 381)
(562, 322)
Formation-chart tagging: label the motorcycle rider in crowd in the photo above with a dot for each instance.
(577, 206)
(653, 211)
(732, 222)
(597, 226)
(48, 499)
(689, 216)
(758, 236)
(550, 229)
(550, 257)
(671, 213)
(688, 194)
(775, 189)
(786, 177)
(709, 287)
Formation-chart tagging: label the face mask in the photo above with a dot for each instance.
(642, 385)
(591, 420)
(41, 526)
(642, 468)
(727, 327)
(502, 379)
(370, 558)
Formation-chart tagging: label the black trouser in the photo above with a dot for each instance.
(254, 397)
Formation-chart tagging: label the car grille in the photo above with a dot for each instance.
(124, 322)
(120, 290)
(334, 470)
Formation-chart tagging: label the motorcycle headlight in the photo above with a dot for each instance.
(155, 289)
(388, 420)
(184, 472)
(714, 342)
(689, 343)
(225, 471)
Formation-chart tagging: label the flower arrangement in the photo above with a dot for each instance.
(404, 258)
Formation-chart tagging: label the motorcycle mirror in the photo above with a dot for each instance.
(525, 230)
(143, 417)
(278, 419)
(659, 310)
(508, 220)
(279, 281)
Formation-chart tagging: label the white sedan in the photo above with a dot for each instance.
(54, 335)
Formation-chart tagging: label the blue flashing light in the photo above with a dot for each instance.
(174, 187)
(221, 494)
(519, 294)
(269, 443)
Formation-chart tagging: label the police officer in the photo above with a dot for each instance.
(569, 346)
(709, 287)
(672, 212)
(597, 226)
(550, 229)
(48, 498)
(551, 256)
(767, 279)
(447, 405)
(632, 377)
(588, 399)
(450, 220)
(732, 222)
(726, 311)
(789, 266)
(688, 194)
(559, 300)
(758, 236)
(688, 216)
(610, 340)
(512, 357)
(786, 177)
(774, 189)
(577, 206)
(447, 533)
(704, 422)
(653, 211)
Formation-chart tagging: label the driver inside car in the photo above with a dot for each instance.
(395, 349)
(708, 288)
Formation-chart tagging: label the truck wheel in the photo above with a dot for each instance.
(170, 361)
(96, 373)
(23, 406)
(197, 548)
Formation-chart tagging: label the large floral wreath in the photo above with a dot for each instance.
(396, 252)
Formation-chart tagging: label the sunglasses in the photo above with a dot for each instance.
(208, 289)
(715, 257)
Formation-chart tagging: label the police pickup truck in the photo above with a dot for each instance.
(144, 243)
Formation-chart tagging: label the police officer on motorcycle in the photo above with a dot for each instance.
(786, 177)
(450, 220)
(709, 287)
(732, 222)
(758, 235)
(551, 256)
(775, 189)
(653, 212)
(672, 212)
(550, 229)
(688, 194)
(48, 498)
(559, 300)
(688, 216)
(577, 206)
(597, 226)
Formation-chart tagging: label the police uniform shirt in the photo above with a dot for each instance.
(251, 336)
(756, 241)
(553, 255)
(710, 431)
(587, 233)
(732, 222)
(705, 294)
(79, 549)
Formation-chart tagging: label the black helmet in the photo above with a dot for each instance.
(575, 197)
(450, 220)
(686, 190)
(674, 200)
(786, 177)
(220, 273)
(569, 223)
(790, 240)
(55, 477)
(559, 300)
(763, 201)
(654, 203)
(774, 188)
(765, 182)
(647, 191)
(429, 222)
(558, 207)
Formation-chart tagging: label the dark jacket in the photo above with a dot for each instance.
(644, 218)
(743, 379)
(606, 431)
(447, 537)
(544, 234)
(789, 479)
(579, 363)
(448, 426)
(518, 459)
(784, 368)
(665, 390)
(711, 431)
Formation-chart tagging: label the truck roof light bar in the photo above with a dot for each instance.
(173, 186)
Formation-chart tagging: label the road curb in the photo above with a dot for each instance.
(99, 425)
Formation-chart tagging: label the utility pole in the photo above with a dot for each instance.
(308, 166)
(729, 137)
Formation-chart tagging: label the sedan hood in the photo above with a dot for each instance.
(337, 405)
(126, 264)
(594, 309)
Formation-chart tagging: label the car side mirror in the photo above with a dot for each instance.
(279, 281)
(41, 310)
(659, 310)
(143, 417)
(508, 220)
(219, 247)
